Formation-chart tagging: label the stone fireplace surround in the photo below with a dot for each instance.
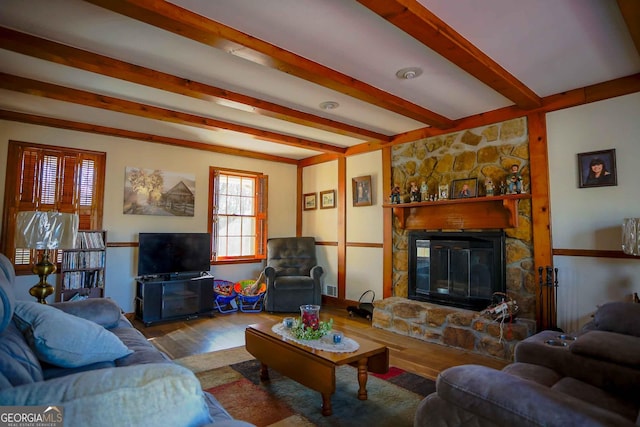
(485, 152)
(451, 326)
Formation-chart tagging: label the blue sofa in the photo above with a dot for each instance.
(87, 358)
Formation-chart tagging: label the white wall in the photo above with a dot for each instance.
(121, 153)
(364, 225)
(591, 218)
(322, 224)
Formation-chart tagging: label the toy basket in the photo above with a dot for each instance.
(224, 302)
(250, 303)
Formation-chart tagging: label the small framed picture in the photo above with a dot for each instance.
(443, 191)
(464, 188)
(362, 191)
(310, 201)
(328, 199)
(597, 168)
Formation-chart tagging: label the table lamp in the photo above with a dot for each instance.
(45, 231)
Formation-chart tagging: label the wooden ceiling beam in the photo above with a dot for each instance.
(630, 10)
(140, 136)
(187, 24)
(66, 55)
(61, 93)
(414, 19)
(573, 98)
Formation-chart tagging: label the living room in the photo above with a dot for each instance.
(354, 242)
(54, 95)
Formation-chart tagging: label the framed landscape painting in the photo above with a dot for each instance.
(328, 199)
(309, 201)
(158, 192)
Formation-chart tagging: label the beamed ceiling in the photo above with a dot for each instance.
(248, 77)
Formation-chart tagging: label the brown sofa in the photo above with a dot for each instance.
(592, 380)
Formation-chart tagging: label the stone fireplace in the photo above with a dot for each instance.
(482, 153)
(460, 269)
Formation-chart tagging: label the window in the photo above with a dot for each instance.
(48, 178)
(238, 220)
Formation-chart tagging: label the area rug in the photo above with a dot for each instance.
(282, 402)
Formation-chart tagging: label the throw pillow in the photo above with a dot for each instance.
(103, 311)
(65, 340)
(618, 316)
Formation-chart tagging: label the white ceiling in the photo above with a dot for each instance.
(549, 46)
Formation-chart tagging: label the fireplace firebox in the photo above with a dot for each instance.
(460, 269)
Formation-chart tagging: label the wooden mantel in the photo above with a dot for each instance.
(459, 214)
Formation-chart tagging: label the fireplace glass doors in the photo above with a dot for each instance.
(461, 269)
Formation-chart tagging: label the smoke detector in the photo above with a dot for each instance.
(409, 73)
(329, 105)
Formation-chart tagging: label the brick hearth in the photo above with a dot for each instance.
(450, 326)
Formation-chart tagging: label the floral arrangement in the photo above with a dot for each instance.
(315, 332)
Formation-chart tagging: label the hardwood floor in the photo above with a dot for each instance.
(184, 338)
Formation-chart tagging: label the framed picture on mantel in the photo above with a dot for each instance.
(464, 188)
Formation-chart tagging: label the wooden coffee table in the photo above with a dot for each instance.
(313, 368)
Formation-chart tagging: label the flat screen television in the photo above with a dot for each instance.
(173, 253)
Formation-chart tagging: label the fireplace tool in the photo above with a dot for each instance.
(363, 309)
(548, 281)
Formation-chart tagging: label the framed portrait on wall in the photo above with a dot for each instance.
(309, 201)
(597, 169)
(362, 191)
(328, 199)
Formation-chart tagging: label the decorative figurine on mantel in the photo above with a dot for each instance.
(514, 180)
(395, 194)
(424, 191)
(414, 192)
(488, 185)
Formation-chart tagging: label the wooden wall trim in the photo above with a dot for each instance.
(365, 245)
(342, 227)
(299, 195)
(352, 244)
(140, 136)
(573, 98)
(540, 211)
(593, 253)
(318, 243)
(387, 227)
(122, 244)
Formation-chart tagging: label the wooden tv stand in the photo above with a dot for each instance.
(173, 297)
